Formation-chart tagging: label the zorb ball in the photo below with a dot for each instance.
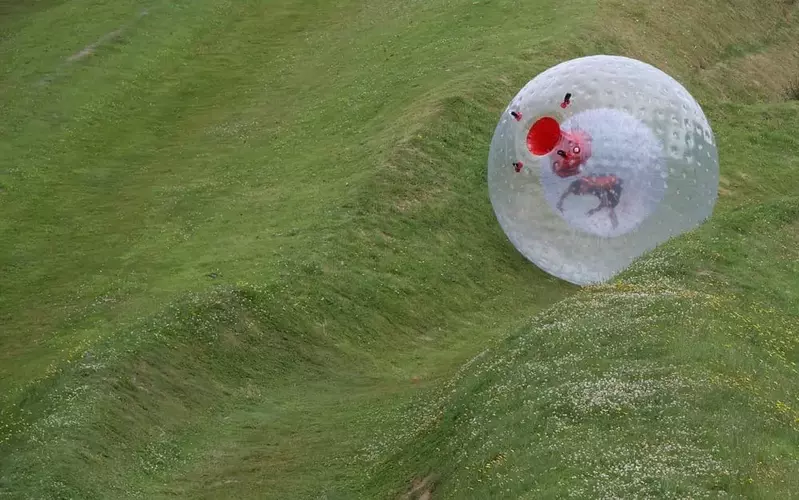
(597, 161)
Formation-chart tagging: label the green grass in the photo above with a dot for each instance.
(196, 150)
(246, 247)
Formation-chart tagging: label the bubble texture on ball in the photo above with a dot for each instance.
(651, 171)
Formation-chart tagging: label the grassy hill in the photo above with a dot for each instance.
(248, 248)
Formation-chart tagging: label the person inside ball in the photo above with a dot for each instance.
(606, 187)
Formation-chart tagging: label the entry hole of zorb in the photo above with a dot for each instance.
(543, 136)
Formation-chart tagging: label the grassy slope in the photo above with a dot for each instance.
(312, 173)
(287, 147)
(678, 379)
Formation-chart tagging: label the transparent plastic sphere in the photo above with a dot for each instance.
(598, 160)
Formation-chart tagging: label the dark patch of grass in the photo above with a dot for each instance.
(792, 90)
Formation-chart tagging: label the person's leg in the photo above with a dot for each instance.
(613, 200)
(603, 202)
(615, 190)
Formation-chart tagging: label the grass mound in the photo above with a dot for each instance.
(656, 385)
